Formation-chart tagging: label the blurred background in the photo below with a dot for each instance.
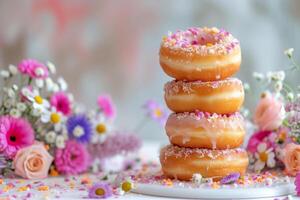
(111, 46)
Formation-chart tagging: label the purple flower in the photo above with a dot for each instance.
(100, 190)
(231, 178)
(115, 144)
(79, 128)
(156, 111)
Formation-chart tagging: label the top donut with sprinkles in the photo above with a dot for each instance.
(203, 41)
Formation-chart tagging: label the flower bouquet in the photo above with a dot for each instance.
(275, 144)
(44, 131)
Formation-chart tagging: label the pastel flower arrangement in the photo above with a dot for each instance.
(43, 130)
(275, 144)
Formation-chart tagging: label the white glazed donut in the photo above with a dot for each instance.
(205, 130)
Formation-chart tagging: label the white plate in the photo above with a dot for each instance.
(282, 189)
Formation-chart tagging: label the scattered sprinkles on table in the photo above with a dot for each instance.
(105, 185)
(151, 174)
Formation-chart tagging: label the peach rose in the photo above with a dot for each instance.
(32, 162)
(269, 113)
(291, 159)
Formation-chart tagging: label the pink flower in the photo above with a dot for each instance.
(73, 159)
(291, 159)
(32, 162)
(297, 184)
(61, 102)
(106, 105)
(255, 139)
(156, 111)
(15, 133)
(33, 68)
(269, 113)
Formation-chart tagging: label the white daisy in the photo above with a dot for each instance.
(54, 117)
(102, 128)
(264, 156)
(39, 104)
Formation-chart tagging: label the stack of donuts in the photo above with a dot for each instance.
(205, 129)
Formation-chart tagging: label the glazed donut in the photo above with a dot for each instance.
(181, 163)
(206, 54)
(205, 130)
(222, 97)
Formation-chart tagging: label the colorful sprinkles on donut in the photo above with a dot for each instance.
(173, 87)
(173, 150)
(204, 41)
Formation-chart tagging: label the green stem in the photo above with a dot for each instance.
(287, 87)
(294, 63)
(29, 81)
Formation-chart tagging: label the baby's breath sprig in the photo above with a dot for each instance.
(289, 53)
(292, 106)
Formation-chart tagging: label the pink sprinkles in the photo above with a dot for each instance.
(198, 115)
(203, 41)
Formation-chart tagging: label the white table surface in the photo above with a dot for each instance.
(149, 150)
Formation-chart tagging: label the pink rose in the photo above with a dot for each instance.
(291, 159)
(269, 113)
(32, 162)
